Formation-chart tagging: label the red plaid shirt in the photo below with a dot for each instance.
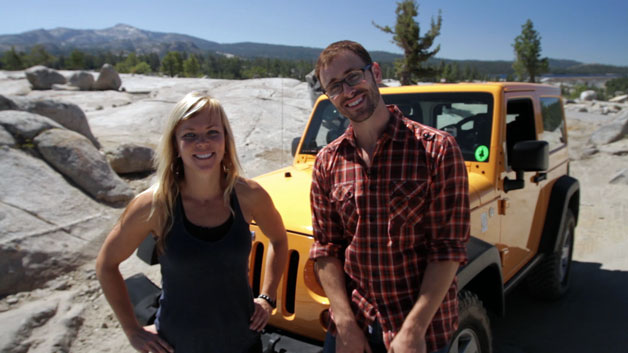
(387, 221)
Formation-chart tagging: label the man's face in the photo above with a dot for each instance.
(358, 102)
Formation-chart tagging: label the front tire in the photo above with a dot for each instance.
(550, 279)
(474, 329)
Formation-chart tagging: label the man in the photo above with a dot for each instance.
(390, 216)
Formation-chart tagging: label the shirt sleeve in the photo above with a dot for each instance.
(326, 223)
(449, 219)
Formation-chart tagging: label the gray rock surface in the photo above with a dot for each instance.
(588, 95)
(47, 226)
(25, 126)
(68, 115)
(131, 158)
(41, 77)
(108, 79)
(621, 177)
(49, 324)
(6, 139)
(82, 79)
(7, 104)
(77, 158)
(616, 130)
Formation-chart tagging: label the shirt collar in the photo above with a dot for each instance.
(394, 129)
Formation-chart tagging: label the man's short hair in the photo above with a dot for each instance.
(334, 49)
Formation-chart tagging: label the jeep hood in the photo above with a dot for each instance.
(290, 190)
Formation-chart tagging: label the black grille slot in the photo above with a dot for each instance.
(257, 268)
(291, 281)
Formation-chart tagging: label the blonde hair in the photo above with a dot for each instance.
(170, 171)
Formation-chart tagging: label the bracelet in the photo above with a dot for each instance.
(272, 303)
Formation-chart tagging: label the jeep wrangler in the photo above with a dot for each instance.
(524, 205)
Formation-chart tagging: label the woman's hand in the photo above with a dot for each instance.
(146, 340)
(260, 315)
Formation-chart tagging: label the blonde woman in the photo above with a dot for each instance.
(200, 211)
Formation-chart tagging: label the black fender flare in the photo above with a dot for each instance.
(482, 274)
(565, 196)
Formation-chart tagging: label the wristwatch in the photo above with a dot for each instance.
(273, 303)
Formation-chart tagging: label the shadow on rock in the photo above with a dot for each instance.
(591, 317)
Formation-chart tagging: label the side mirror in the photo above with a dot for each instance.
(530, 156)
(295, 145)
(527, 156)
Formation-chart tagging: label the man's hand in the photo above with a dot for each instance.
(407, 342)
(351, 339)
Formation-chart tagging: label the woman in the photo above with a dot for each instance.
(200, 211)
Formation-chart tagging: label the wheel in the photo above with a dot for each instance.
(474, 329)
(550, 279)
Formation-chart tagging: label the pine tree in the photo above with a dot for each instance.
(172, 64)
(528, 61)
(415, 48)
(12, 60)
(191, 67)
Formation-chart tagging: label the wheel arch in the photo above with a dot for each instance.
(482, 275)
(565, 197)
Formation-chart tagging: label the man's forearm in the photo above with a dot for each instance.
(436, 282)
(331, 275)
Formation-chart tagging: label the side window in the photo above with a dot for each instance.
(553, 127)
(519, 123)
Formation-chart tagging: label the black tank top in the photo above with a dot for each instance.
(206, 302)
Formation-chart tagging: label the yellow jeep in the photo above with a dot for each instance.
(524, 204)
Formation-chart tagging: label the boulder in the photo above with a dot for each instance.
(24, 126)
(611, 132)
(6, 139)
(108, 79)
(47, 226)
(619, 99)
(68, 115)
(76, 157)
(131, 158)
(7, 104)
(588, 95)
(41, 77)
(82, 79)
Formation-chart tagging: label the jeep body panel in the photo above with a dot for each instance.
(508, 228)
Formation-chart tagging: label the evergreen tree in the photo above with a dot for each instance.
(172, 64)
(528, 61)
(77, 60)
(12, 60)
(191, 67)
(406, 35)
(39, 56)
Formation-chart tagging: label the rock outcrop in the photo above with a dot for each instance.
(131, 158)
(47, 226)
(41, 77)
(611, 132)
(82, 79)
(108, 79)
(24, 126)
(67, 114)
(77, 158)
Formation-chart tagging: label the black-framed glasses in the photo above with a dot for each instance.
(352, 78)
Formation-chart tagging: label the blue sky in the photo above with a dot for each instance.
(586, 31)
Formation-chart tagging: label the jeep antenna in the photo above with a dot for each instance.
(282, 146)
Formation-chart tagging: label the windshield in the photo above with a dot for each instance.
(466, 116)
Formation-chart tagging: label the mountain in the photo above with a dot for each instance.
(125, 38)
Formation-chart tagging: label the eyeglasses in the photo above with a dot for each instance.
(353, 78)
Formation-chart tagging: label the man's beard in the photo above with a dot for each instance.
(371, 99)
